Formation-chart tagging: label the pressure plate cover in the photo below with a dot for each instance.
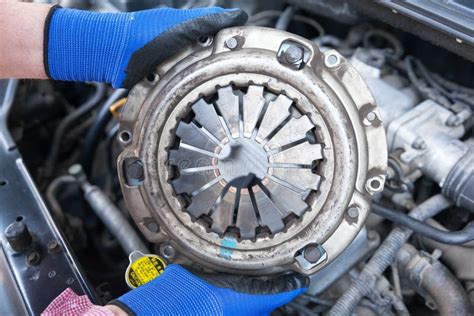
(252, 152)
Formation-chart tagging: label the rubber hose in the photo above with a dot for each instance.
(92, 138)
(446, 237)
(384, 256)
(285, 18)
(67, 122)
(459, 184)
(429, 276)
(51, 192)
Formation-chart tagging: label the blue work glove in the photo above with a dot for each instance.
(122, 48)
(180, 292)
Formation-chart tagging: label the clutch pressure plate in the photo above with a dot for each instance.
(252, 152)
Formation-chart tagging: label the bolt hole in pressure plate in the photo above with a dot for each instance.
(253, 153)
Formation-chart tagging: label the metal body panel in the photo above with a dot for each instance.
(20, 201)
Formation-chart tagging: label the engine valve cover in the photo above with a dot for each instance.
(253, 152)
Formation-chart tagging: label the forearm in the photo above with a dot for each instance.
(21, 40)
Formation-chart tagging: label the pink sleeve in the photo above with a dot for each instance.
(69, 303)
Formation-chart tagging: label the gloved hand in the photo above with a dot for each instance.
(180, 292)
(122, 48)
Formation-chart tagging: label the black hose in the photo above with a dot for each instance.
(422, 86)
(435, 87)
(430, 277)
(111, 135)
(384, 256)
(397, 46)
(264, 18)
(420, 228)
(285, 18)
(64, 125)
(453, 86)
(51, 193)
(94, 133)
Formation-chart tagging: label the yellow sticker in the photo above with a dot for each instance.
(143, 268)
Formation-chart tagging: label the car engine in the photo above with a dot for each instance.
(331, 139)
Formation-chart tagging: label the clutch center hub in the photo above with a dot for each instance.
(249, 157)
(241, 162)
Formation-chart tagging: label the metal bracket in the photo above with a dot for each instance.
(31, 287)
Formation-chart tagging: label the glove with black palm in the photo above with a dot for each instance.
(122, 48)
(179, 292)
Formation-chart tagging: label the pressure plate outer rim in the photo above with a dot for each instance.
(327, 81)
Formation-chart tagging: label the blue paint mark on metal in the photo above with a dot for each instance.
(227, 246)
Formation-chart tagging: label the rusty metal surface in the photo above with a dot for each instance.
(325, 93)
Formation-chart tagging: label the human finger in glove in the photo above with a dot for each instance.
(116, 48)
(179, 292)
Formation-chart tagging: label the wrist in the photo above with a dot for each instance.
(21, 51)
(117, 311)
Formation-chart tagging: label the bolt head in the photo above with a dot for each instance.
(231, 43)
(153, 227)
(294, 54)
(18, 236)
(168, 251)
(53, 246)
(15, 229)
(135, 170)
(371, 116)
(418, 144)
(353, 212)
(312, 254)
(33, 258)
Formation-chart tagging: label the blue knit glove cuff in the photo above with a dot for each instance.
(94, 46)
(179, 292)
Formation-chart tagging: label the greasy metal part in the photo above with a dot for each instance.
(434, 281)
(422, 131)
(28, 288)
(248, 160)
(428, 142)
(392, 95)
(359, 249)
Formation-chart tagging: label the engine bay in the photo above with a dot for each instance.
(337, 146)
